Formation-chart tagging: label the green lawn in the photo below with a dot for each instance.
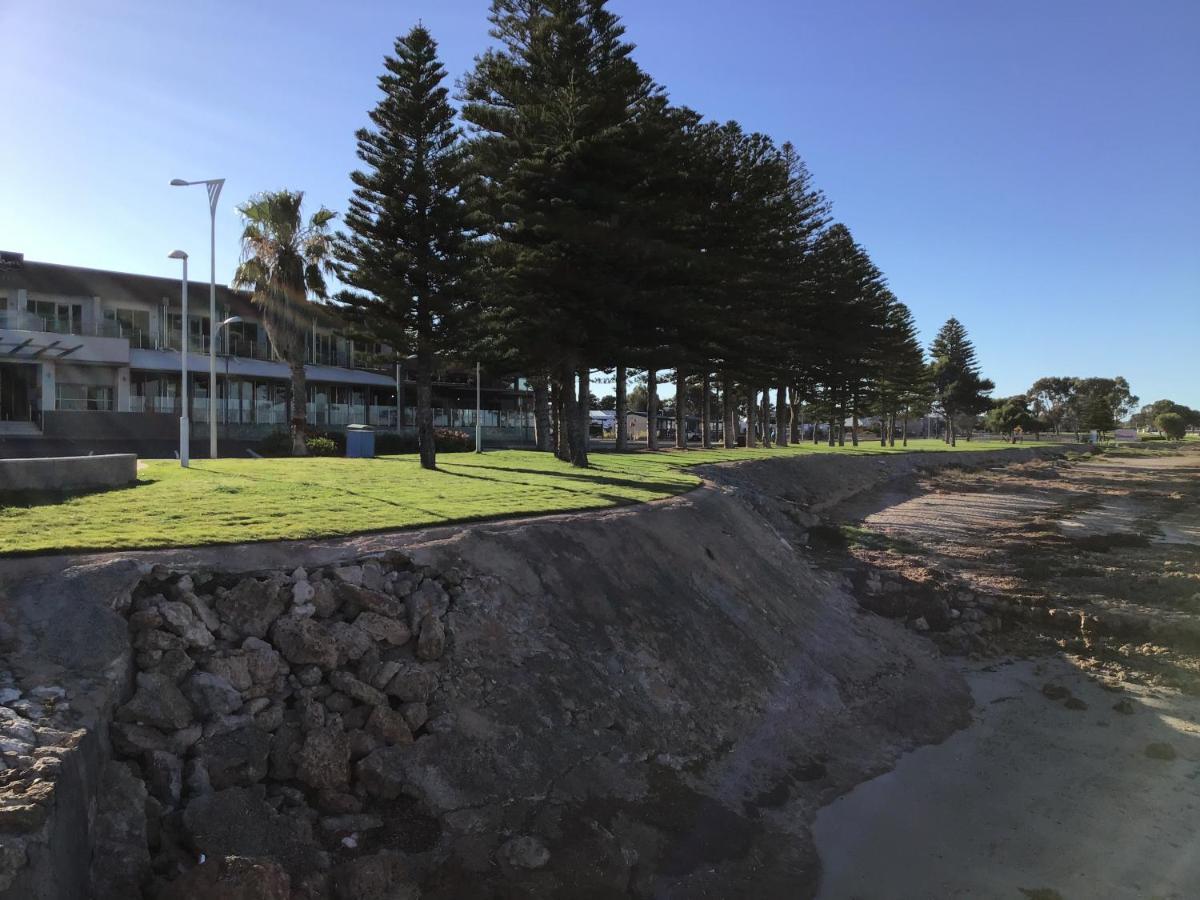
(236, 500)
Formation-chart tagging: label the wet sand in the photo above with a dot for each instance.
(1033, 800)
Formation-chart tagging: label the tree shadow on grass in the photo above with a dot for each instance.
(671, 488)
(31, 499)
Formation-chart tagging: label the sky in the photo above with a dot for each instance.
(1031, 168)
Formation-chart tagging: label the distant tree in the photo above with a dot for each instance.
(958, 388)
(1100, 404)
(639, 396)
(407, 251)
(284, 263)
(1146, 416)
(1051, 400)
(1010, 413)
(1172, 425)
(608, 402)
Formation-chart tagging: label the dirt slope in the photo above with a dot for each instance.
(660, 696)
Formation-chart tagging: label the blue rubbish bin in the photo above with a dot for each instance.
(360, 442)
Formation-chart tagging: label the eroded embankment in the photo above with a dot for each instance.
(648, 702)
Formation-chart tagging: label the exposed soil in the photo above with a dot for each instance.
(1078, 585)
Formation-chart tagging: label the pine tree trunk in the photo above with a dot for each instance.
(796, 416)
(541, 414)
(425, 438)
(782, 428)
(705, 411)
(766, 417)
(561, 448)
(584, 417)
(883, 428)
(904, 437)
(576, 451)
(680, 409)
(299, 406)
(729, 413)
(751, 416)
(622, 412)
(652, 409)
(892, 431)
(854, 421)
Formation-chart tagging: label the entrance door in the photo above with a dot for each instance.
(18, 387)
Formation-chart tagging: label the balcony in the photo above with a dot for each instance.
(25, 336)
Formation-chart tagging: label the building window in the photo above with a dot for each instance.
(133, 324)
(80, 397)
(60, 318)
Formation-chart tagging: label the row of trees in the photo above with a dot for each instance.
(1065, 404)
(581, 222)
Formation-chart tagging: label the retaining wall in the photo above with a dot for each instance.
(68, 473)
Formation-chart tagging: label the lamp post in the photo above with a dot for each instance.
(185, 434)
(212, 368)
(214, 186)
(478, 411)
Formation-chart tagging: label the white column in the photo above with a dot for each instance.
(48, 382)
(123, 389)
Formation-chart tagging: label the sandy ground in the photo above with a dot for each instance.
(1037, 799)
(1033, 798)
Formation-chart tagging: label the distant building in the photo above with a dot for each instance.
(90, 360)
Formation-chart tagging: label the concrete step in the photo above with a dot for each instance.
(19, 429)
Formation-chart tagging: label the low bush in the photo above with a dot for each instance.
(319, 445)
(446, 440)
(277, 443)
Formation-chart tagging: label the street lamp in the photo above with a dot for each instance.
(185, 434)
(212, 368)
(214, 186)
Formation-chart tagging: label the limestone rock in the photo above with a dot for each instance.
(175, 664)
(431, 643)
(352, 687)
(285, 743)
(323, 761)
(251, 607)
(412, 684)
(352, 640)
(158, 703)
(349, 574)
(305, 641)
(203, 610)
(236, 757)
(211, 695)
(233, 666)
(381, 628)
(131, 739)
(239, 821)
(389, 726)
(429, 599)
(415, 714)
(164, 777)
(179, 619)
(381, 773)
(231, 878)
(262, 660)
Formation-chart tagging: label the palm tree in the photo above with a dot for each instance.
(284, 261)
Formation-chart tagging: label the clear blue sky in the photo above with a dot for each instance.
(1031, 167)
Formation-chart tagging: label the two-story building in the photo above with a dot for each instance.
(90, 361)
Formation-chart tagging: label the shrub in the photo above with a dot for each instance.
(277, 443)
(446, 440)
(1172, 425)
(319, 445)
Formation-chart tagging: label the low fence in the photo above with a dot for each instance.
(68, 473)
